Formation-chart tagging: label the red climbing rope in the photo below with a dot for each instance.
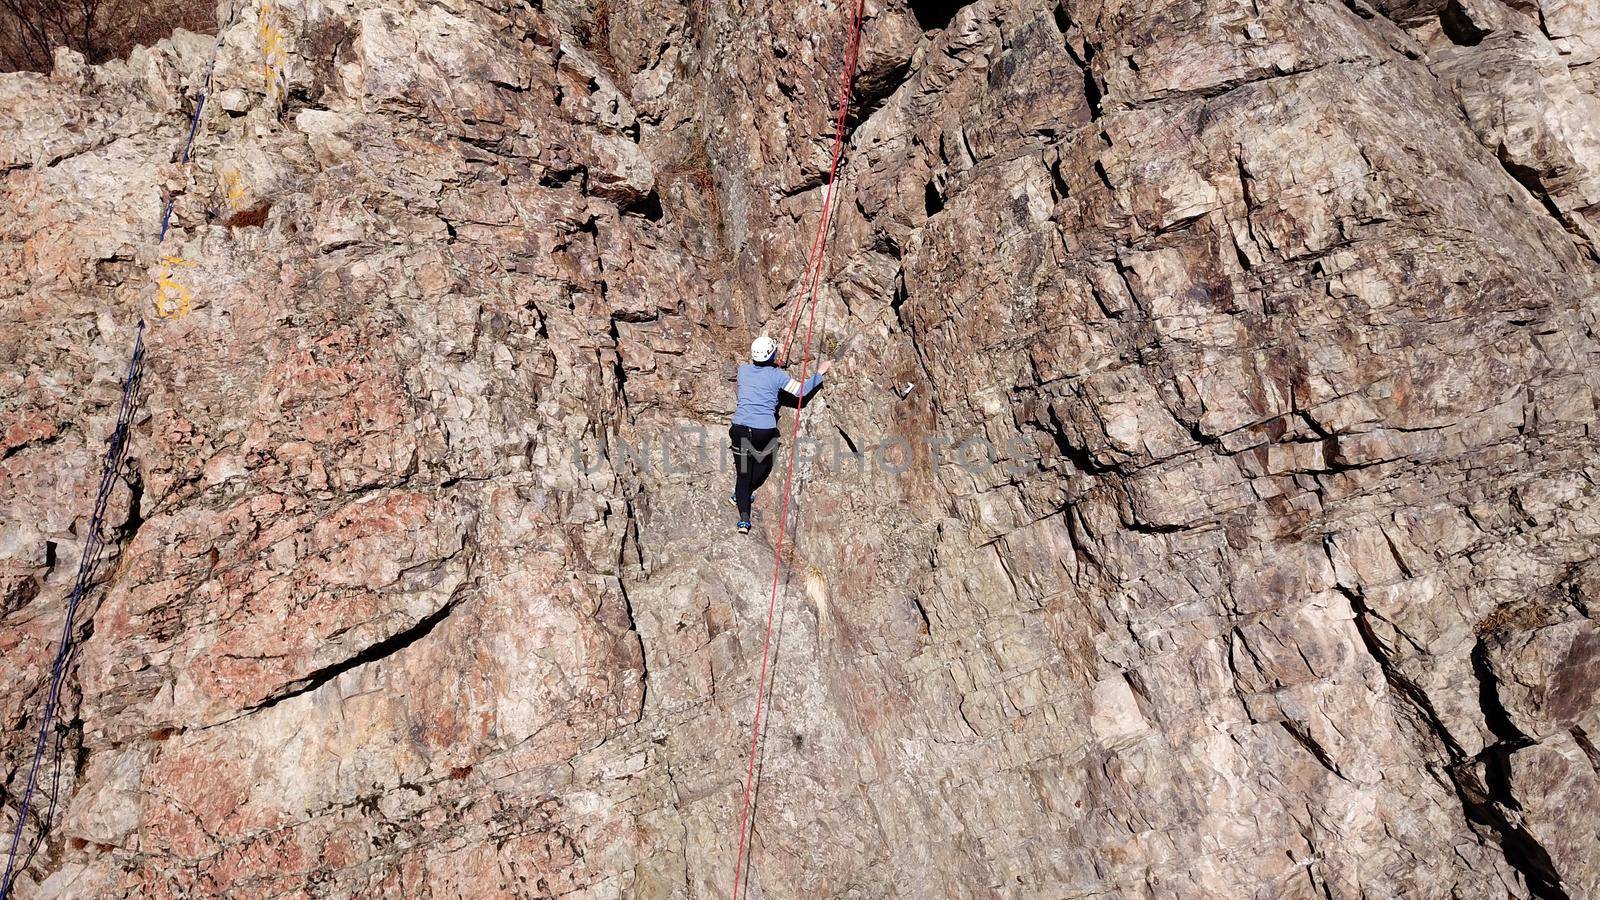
(819, 243)
(809, 285)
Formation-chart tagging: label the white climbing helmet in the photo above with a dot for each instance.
(763, 349)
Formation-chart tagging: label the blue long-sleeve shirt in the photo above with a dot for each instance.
(757, 405)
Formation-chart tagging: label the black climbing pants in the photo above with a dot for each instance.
(754, 452)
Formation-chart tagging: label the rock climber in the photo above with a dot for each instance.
(754, 432)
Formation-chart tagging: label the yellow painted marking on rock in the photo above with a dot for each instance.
(275, 58)
(173, 297)
(233, 189)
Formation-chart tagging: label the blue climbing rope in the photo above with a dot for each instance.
(194, 128)
(116, 453)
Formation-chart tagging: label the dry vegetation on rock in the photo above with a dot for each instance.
(32, 30)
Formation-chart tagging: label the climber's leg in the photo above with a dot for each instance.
(739, 438)
(753, 452)
(766, 455)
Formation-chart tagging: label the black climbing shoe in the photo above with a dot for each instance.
(744, 527)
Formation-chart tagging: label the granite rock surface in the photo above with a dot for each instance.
(1203, 503)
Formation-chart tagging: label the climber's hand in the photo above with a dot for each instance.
(824, 366)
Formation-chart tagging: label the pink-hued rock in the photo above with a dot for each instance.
(1203, 503)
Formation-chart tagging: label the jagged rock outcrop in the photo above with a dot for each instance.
(1278, 321)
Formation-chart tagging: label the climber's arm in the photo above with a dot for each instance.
(794, 387)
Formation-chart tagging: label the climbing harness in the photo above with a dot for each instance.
(116, 455)
(809, 284)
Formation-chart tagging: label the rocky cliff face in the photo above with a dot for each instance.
(1278, 317)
